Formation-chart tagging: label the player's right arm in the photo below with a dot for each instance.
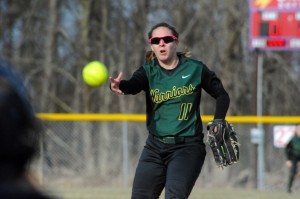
(134, 85)
(115, 82)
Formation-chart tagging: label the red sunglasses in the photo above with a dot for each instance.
(166, 39)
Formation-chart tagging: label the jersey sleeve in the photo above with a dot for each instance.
(213, 86)
(136, 83)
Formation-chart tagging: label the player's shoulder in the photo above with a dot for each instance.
(193, 62)
(297, 139)
(149, 64)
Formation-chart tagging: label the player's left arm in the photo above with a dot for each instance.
(214, 87)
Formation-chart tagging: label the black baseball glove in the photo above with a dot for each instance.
(223, 142)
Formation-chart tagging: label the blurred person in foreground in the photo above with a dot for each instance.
(174, 152)
(19, 138)
(292, 152)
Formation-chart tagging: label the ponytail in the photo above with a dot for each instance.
(149, 56)
(186, 53)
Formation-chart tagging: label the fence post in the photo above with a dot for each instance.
(259, 125)
(125, 152)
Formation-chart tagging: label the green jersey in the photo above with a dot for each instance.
(173, 97)
(293, 147)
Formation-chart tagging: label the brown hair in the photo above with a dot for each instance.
(150, 54)
(163, 24)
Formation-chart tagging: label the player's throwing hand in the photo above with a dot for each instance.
(115, 84)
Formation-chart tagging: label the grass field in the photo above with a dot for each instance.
(115, 193)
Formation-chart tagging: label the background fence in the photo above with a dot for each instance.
(87, 150)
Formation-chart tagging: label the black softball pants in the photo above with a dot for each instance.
(293, 171)
(174, 167)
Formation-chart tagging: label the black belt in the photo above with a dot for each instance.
(175, 139)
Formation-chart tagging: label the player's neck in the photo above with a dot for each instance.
(169, 65)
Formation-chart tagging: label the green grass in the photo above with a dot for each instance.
(117, 193)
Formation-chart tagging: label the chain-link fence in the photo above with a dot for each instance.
(105, 153)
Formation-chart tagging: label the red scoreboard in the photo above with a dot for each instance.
(274, 24)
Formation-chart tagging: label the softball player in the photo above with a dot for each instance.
(174, 151)
(292, 152)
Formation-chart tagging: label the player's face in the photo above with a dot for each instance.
(164, 44)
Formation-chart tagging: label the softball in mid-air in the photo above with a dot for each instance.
(95, 73)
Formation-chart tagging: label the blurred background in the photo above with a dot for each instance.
(49, 42)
